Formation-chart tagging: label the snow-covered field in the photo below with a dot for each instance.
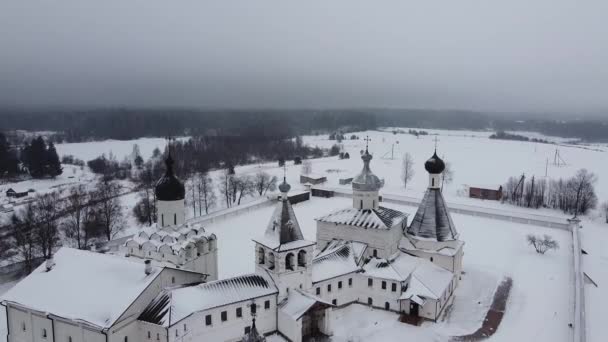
(542, 284)
(119, 148)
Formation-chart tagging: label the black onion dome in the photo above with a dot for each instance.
(168, 187)
(434, 164)
(284, 187)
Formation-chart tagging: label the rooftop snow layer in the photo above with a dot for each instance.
(381, 218)
(283, 227)
(338, 258)
(179, 303)
(299, 302)
(83, 286)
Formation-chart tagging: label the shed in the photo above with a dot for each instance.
(312, 179)
(346, 181)
(486, 192)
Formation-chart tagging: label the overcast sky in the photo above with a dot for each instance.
(508, 55)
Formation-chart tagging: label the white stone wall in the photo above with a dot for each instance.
(232, 329)
(289, 327)
(171, 213)
(385, 241)
(342, 296)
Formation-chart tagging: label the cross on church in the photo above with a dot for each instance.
(367, 140)
(436, 140)
(284, 171)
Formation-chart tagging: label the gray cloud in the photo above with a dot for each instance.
(470, 54)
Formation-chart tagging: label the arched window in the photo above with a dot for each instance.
(149, 335)
(172, 280)
(370, 302)
(361, 205)
(431, 259)
(162, 220)
(261, 256)
(69, 338)
(290, 262)
(375, 253)
(387, 306)
(433, 181)
(126, 338)
(271, 261)
(174, 218)
(43, 333)
(302, 258)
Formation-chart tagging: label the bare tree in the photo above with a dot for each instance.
(243, 187)
(191, 186)
(585, 193)
(306, 167)
(77, 207)
(542, 243)
(448, 175)
(107, 201)
(605, 210)
(263, 182)
(206, 195)
(23, 240)
(47, 210)
(226, 186)
(407, 169)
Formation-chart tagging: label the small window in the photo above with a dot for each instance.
(176, 333)
(127, 338)
(370, 301)
(43, 333)
(350, 281)
(69, 338)
(185, 328)
(394, 287)
(328, 288)
(370, 282)
(149, 335)
(174, 218)
(334, 301)
(431, 259)
(318, 291)
(162, 220)
(224, 316)
(387, 306)
(157, 336)
(172, 280)
(239, 312)
(339, 285)
(267, 305)
(23, 326)
(375, 253)
(383, 285)
(208, 320)
(247, 330)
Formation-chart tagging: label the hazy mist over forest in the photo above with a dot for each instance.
(509, 56)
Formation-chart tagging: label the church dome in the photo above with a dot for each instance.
(434, 164)
(366, 180)
(168, 187)
(284, 187)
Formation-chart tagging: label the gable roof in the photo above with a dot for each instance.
(299, 303)
(338, 258)
(175, 304)
(433, 220)
(283, 227)
(381, 218)
(82, 286)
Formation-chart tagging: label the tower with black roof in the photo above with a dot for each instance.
(170, 194)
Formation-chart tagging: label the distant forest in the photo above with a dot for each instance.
(124, 124)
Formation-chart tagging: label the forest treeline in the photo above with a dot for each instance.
(124, 124)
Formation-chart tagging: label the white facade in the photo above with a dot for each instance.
(171, 213)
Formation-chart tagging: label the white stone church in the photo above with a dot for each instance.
(162, 286)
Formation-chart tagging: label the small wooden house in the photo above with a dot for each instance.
(486, 192)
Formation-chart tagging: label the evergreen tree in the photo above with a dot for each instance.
(53, 165)
(9, 164)
(35, 157)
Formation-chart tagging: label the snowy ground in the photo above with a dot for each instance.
(541, 290)
(119, 148)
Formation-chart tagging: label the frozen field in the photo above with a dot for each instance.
(494, 249)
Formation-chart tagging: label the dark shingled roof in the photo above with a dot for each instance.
(433, 220)
(366, 180)
(168, 187)
(283, 226)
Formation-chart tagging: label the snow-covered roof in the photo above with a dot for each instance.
(178, 303)
(381, 218)
(299, 302)
(433, 220)
(408, 243)
(179, 239)
(83, 286)
(426, 279)
(339, 257)
(283, 228)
